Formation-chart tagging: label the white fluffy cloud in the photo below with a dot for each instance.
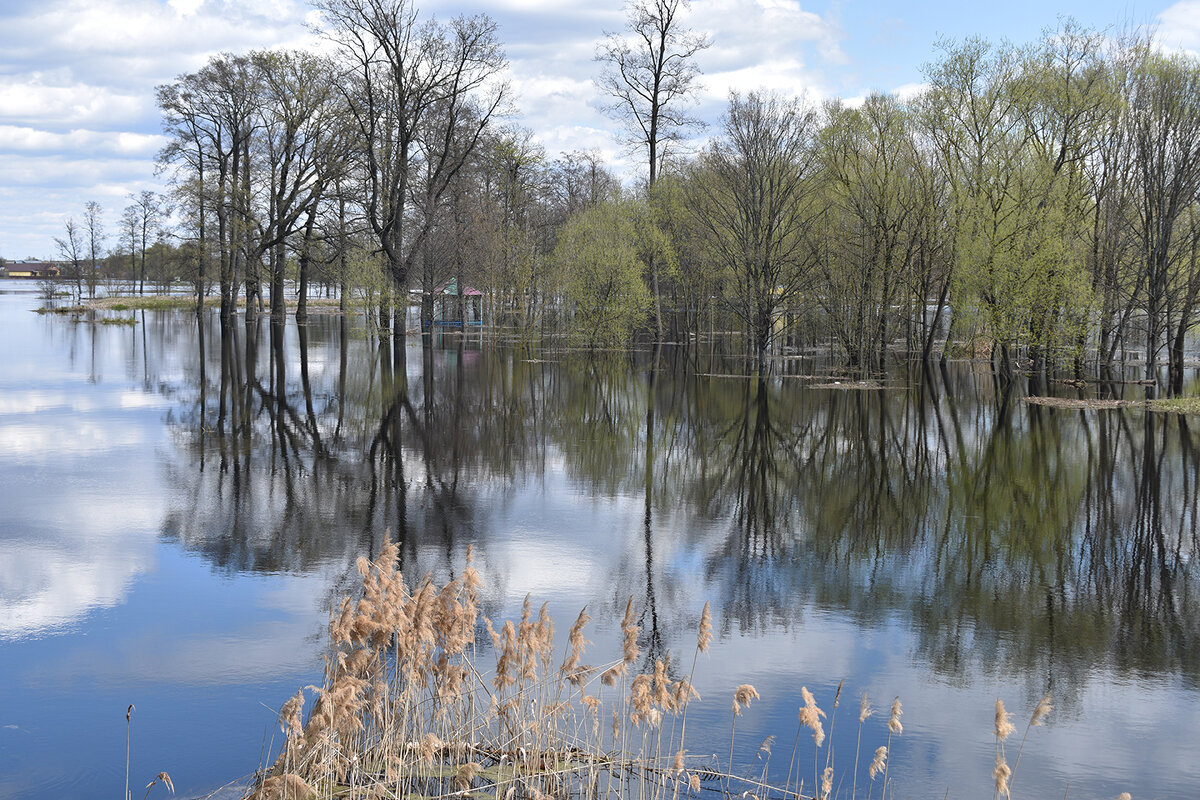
(78, 119)
(1179, 25)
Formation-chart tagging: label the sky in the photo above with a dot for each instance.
(78, 120)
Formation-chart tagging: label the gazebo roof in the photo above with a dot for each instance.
(451, 287)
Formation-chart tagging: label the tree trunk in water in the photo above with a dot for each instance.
(278, 303)
(1175, 360)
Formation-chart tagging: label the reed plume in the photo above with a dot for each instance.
(162, 778)
(895, 728)
(864, 712)
(742, 697)
(407, 708)
(128, 725)
(810, 716)
(629, 628)
(1004, 726)
(576, 642)
(1001, 774)
(1040, 712)
(894, 725)
(705, 634)
(878, 761)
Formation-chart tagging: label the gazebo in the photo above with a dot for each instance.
(447, 301)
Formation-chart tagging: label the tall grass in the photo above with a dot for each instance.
(411, 707)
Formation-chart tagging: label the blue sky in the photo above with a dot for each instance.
(77, 77)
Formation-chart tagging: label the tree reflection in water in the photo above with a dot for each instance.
(1010, 538)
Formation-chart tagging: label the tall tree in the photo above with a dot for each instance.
(399, 70)
(301, 138)
(971, 115)
(93, 224)
(71, 250)
(753, 198)
(210, 117)
(870, 161)
(141, 222)
(650, 72)
(1165, 125)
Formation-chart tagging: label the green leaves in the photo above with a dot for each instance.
(602, 255)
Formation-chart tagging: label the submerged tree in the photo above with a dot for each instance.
(141, 222)
(93, 224)
(752, 196)
(598, 255)
(1164, 116)
(420, 96)
(70, 249)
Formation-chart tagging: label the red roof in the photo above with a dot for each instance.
(451, 287)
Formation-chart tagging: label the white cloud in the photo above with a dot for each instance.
(98, 545)
(1180, 25)
(908, 91)
(42, 589)
(36, 97)
(77, 112)
(78, 171)
(118, 143)
(185, 8)
(785, 76)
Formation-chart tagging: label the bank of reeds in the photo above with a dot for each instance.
(409, 710)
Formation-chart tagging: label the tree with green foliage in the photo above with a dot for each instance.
(752, 195)
(1164, 118)
(690, 280)
(603, 273)
(870, 163)
(970, 115)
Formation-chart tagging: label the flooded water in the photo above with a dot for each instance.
(181, 504)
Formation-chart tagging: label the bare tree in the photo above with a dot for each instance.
(650, 73)
(140, 224)
(129, 236)
(70, 247)
(94, 227)
(580, 180)
(398, 71)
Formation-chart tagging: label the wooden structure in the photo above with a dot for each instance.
(447, 301)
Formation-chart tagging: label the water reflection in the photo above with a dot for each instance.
(989, 542)
(67, 546)
(1016, 539)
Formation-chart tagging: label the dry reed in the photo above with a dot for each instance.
(1004, 728)
(162, 778)
(407, 708)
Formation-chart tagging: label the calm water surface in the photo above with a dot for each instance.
(181, 504)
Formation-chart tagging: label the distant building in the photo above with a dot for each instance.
(31, 269)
